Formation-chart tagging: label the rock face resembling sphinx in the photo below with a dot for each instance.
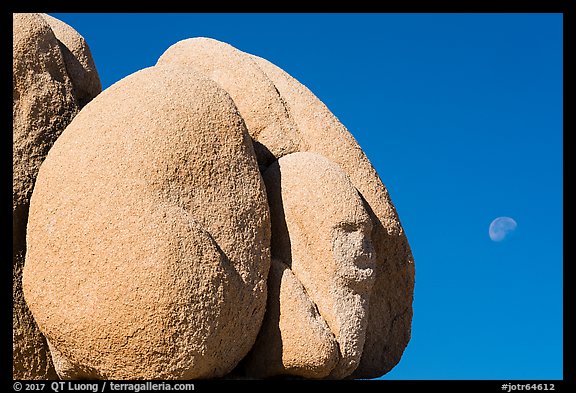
(321, 236)
(54, 76)
(148, 234)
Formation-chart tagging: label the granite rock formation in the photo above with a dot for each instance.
(44, 101)
(209, 217)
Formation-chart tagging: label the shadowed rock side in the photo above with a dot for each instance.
(43, 103)
(78, 59)
(148, 235)
(307, 125)
(30, 354)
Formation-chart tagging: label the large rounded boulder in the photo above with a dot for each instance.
(149, 234)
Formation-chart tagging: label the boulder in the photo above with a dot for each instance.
(149, 233)
(44, 102)
(78, 59)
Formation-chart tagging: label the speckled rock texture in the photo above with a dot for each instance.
(306, 125)
(207, 217)
(44, 101)
(149, 232)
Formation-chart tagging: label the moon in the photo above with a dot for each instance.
(501, 227)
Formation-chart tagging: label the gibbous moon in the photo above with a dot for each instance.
(501, 227)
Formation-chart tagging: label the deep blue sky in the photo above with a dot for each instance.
(461, 115)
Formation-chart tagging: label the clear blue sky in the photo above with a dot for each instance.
(461, 115)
